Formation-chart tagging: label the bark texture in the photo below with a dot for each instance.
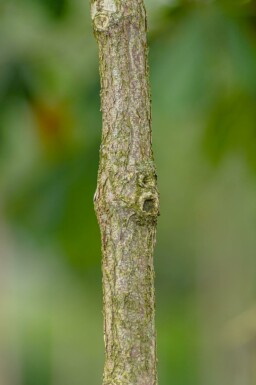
(126, 199)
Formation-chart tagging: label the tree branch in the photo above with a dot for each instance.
(126, 200)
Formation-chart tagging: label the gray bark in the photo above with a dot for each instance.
(126, 199)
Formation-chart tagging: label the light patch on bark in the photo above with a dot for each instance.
(101, 13)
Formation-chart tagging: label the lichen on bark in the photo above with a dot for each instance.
(126, 199)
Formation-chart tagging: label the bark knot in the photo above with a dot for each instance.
(104, 14)
(101, 21)
(147, 193)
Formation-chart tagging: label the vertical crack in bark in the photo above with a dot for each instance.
(126, 199)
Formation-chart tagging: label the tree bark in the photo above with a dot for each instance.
(126, 199)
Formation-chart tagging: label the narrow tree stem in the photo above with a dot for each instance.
(126, 200)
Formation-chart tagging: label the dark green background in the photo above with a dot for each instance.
(203, 76)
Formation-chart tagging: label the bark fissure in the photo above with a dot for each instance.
(126, 199)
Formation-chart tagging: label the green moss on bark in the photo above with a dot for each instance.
(126, 200)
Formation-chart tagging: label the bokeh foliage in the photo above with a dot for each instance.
(203, 75)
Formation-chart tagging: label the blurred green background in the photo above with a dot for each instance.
(203, 76)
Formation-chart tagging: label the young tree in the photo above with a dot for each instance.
(126, 199)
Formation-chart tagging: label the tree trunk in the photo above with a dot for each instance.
(126, 199)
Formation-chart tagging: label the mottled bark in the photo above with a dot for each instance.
(126, 200)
